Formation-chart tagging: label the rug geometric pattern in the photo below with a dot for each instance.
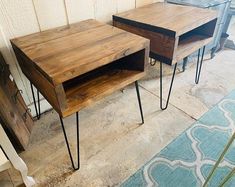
(188, 160)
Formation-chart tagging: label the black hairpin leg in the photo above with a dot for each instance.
(36, 104)
(169, 93)
(139, 101)
(153, 62)
(67, 142)
(199, 64)
(185, 62)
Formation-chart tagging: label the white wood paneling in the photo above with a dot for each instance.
(17, 18)
(124, 5)
(104, 9)
(140, 3)
(79, 10)
(51, 13)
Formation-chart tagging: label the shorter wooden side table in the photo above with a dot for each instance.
(74, 66)
(174, 31)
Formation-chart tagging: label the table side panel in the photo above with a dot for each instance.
(160, 44)
(45, 87)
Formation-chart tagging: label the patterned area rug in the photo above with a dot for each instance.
(188, 160)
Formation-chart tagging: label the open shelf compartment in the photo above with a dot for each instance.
(191, 41)
(96, 84)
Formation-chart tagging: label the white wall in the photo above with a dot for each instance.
(22, 17)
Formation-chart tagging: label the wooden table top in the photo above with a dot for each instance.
(66, 52)
(172, 20)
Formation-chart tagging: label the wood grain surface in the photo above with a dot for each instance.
(73, 51)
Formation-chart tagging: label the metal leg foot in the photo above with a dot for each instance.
(36, 103)
(199, 64)
(67, 143)
(169, 93)
(153, 62)
(139, 101)
(213, 52)
(185, 62)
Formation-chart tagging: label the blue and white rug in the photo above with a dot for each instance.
(188, 160)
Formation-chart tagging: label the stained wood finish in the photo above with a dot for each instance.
(159, 43)
(13, 109)
(56, 60)
(167, 25)
(87, 91)
(38, 79)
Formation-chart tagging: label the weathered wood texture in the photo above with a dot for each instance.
(56, 62)
(174, 31)
(13, 112)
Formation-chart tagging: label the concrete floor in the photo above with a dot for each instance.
(112, 143)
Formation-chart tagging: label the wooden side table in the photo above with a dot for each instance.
(74, 66)
(174, 31)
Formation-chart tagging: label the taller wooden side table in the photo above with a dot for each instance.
(76, 65)
(174, 31)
